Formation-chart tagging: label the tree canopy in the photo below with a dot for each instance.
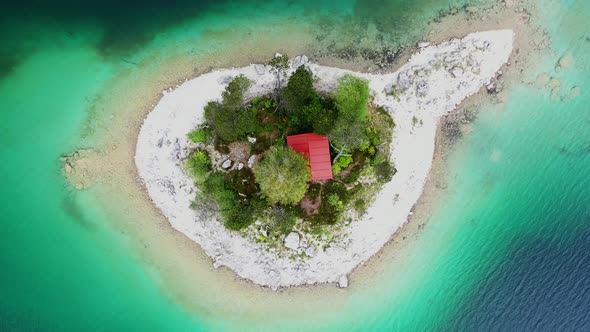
(352, 97)
(227, 117)
(283, 175)
(279, 66)
(299, 90)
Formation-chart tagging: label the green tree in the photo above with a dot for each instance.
(348, 133)
(227, 118)
(352, 97)
(279, 66)
(198, 165)
(283, 175)
(319, 117)
(352, 101)
(299, 90)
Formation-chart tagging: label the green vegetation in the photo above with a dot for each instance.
(283, 175)
(279, 66)
(352, 97)
(277, 190)
(198, 135)
(227, 118)
(198, 165)
(299, 91)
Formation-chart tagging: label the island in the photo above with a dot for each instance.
(292, 173)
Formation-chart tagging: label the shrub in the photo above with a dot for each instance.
(198, 135)
(384, 171)
(282, 219)
(299, 90)
(198, 165)
(336, 169)
(235, 215)
(282, 175)
(313, 192)
(352, 97)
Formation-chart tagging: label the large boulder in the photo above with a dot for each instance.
(342, 282)
(292, 240)
(299, 61)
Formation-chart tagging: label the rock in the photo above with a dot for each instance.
(422, 89)
(224, 79)
(310, 251)
(226, 164)
(456, 71)
(342, 282)
(423, 44)
(260, 69)
(263, 232)
(491, 87)
(252, 139)
(472, 9)
(251, 160)
(292, 241)
(299, 61)
(240, 166)
(277, 54)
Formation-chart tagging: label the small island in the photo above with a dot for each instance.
(292, 173)
(296, 163)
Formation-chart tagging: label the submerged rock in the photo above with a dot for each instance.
(564, 62)
(292, 241)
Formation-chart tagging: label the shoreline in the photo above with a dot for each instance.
(171, 190)
(177, 264)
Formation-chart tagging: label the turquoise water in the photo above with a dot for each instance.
(507, 249)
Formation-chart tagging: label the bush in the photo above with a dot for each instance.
(352, 97)
(299, 90)
(282, 175)
(198, 165)
(197, 135)
(282, 219)
(335, 196)
(313, 192)
(384, 171)
(235, 215)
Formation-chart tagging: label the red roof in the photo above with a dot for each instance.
(314, 148)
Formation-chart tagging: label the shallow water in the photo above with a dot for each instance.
(506, 249)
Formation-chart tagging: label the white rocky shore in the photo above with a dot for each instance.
(431, 84)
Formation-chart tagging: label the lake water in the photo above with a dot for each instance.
(507, 248)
